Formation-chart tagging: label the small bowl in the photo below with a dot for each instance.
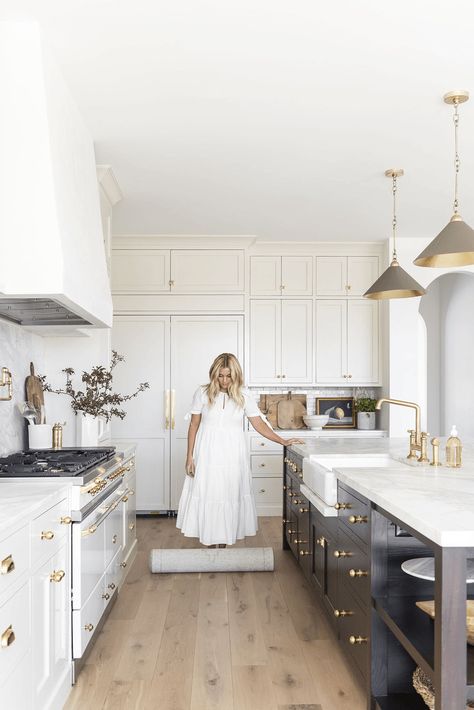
(316, 421)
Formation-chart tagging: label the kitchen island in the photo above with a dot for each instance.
(352, 553)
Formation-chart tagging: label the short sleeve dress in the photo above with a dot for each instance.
(217, 505)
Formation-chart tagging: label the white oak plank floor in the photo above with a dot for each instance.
(246, 641)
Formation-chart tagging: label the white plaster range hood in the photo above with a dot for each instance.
(52, 258)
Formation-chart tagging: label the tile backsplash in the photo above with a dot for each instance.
(312, 394)
(18, 348)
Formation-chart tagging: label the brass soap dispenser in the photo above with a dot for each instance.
(453, 449)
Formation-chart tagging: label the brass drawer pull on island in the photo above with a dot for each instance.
(353, 640)
(47, 535)
(343, 506)
(353, 519)
(300, 542)
(292, 532)
(303, 553)
(304, 510)
(321, 541)
(7, 565)
(57, 576)
(339, 613)
(354, 573)
(8, 637)
(342, 553)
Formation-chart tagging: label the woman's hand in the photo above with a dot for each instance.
(289, 442)
(189, 467)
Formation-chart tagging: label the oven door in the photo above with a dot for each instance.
(90, 548)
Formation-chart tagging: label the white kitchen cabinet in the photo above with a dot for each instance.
(281, 275)
(345, 275)
(281, 341)
(140, 270)
(51, 609)
(347, 342)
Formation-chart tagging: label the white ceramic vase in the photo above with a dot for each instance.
(89, 429)
(366, 420)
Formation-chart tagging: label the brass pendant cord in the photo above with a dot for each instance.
(457, 162)
(394, 216)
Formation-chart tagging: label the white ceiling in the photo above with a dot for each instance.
(270, 117)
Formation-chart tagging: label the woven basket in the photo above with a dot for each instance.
(424, 687)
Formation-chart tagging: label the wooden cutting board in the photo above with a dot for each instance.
(284, 411)
(34, 389)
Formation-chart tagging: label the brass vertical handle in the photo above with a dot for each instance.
(173, 401)
(167, 409)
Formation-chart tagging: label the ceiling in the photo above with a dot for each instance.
(269, 117)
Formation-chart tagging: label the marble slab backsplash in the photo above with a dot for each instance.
(18, 348)
(312, 394)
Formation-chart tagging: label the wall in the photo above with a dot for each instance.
(17, 348)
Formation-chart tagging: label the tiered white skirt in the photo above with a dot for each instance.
(217, 505)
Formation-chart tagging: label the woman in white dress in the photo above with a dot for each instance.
(217, 503)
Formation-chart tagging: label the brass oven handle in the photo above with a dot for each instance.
(7, 565)
(167, 409)
(7, 637)
(173, 402)
(57, 576)
(47, 535)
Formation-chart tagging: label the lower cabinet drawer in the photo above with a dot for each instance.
(353, 623)
(16, 692)
(88, 558)
(267, 491)
(85, 620)
(14, 557)
(264, 465)
(113, 532)
(259, 443)
(113, 576)
(48, 532)
(356, 517)
(15, 631)
(353, 567)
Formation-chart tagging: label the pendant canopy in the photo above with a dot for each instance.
(395, 282)
(454, 245)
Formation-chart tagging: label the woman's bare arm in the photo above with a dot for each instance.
(264, 430)
(192, 431)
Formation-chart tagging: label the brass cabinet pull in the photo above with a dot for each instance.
(131, 526)
(262, 465)
(356, 573)
(300, 542)
(106, 596)
(123, 564)
(66, 520)
(173, 402)
(47, 535)
(321, 541)
(353, 519)
(340, 613)
(114, 539)
(167, 409)
(342, 553)
(7, 637)
(292, 532)
(304, 510)
(131, 492)
(7, 565)
(111, 585)
(300, 475)
(285, 521)
(88, 627)
(343, 506)
(89, 531)
(303, 553)
(291, 494)
(124, 499)
(57, 576)
(353, 640)
(284, 487)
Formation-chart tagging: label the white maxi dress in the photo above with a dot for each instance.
(217, 505)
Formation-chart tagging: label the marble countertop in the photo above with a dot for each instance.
(19, 503)
(437, 502)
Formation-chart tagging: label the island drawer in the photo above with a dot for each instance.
(353, 629)
(353, 567)
(356, 516)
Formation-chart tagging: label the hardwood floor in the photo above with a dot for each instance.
(245, 641)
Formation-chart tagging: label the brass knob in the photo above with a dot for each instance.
(111, 585)
(285, 521)
(284, 487)
(88, 627)
(7, 637)
(321, 541)
(300, 475)
(286, 459)
(262, 465)
(97, 480)
(123, 564)
(304, 553)
(304, 510)
(106, 596)
(358, 573)
(66, 520)
(114, 539)
(353, 519)
(131, 526)
(300, 542)
(47, 535)
(353, 640)
(124, 499)
(290, 494)
(291, 532)
(343, 506)
(297, 501)
(7, 565)
(342, 553)
(57, 576)
(342, 612)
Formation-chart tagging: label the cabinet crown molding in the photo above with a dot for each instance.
(181, 241)
(109, 184)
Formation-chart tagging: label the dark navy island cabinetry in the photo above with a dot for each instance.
(353, 562)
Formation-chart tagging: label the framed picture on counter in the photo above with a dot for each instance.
(340, 411)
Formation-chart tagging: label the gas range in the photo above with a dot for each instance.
(52, 463)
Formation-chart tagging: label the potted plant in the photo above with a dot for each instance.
(96, 403)
(365, 408)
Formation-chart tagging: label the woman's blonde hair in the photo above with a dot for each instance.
(237, 379)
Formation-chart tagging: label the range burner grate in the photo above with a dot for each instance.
(50, 462)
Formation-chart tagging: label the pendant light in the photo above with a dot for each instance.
(394, 282)
(454, 245)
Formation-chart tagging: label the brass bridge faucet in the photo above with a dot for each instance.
(418, 438)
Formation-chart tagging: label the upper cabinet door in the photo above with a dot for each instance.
(265, 342)
(207, 270)
(331, 276)
(297, 276)
(362, 271)
(331, 341)
(265, 275)
(140, 270)
(363, 342)
(296, 341)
